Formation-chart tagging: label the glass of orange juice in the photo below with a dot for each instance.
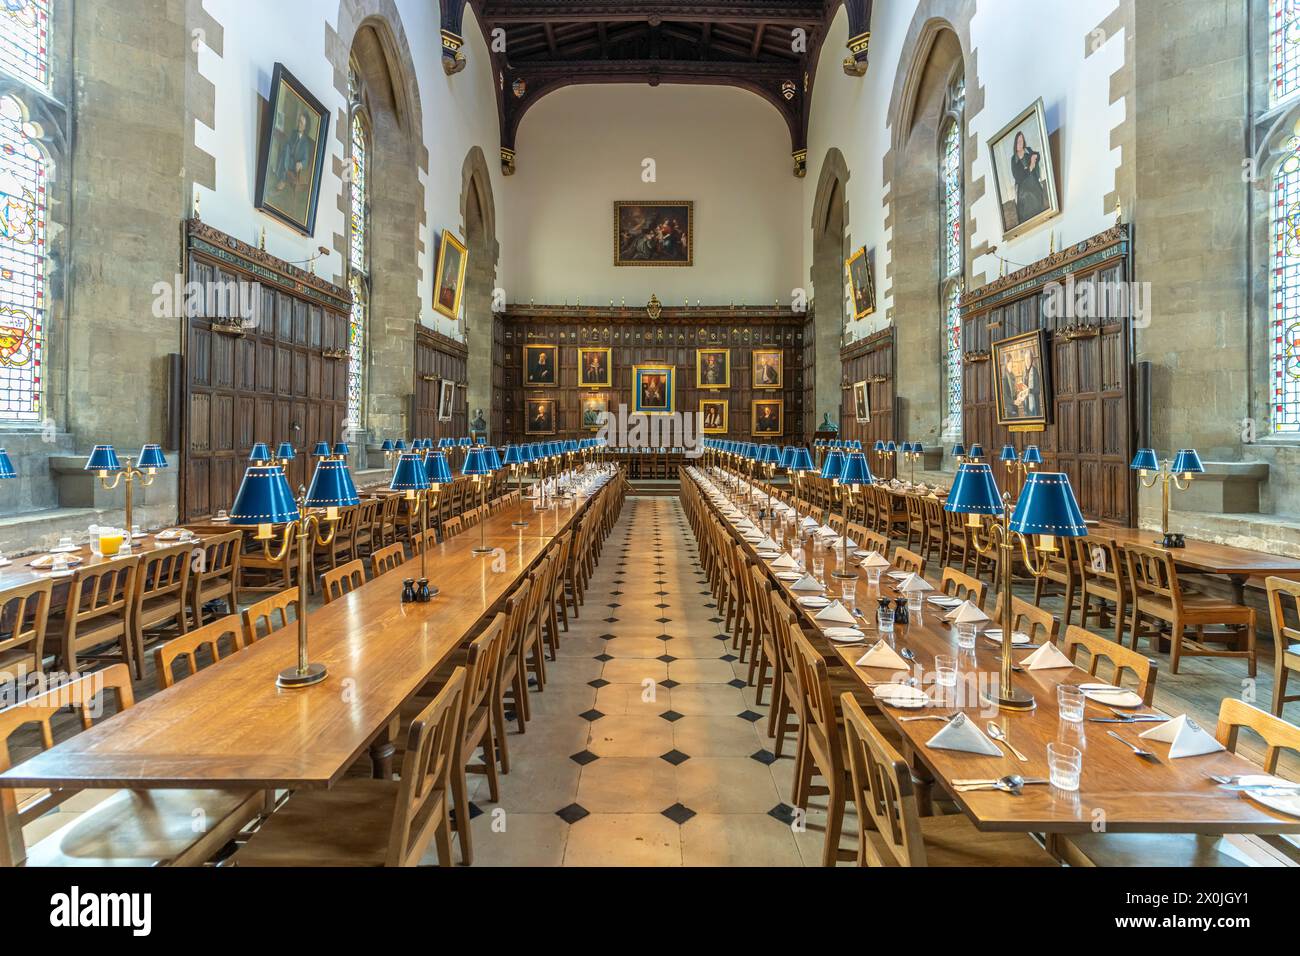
(110, 541)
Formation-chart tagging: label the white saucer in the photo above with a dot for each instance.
(1114, 698)
(789, 575)
(769, 555)
(814, 602)
(1017, 637)
(902, 696)
(845, 634)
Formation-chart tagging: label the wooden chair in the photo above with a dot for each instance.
(24, 617)
(533, 652)
(214, 575)
(513, 679)
(935, 540)
(961, 541)
(418, 541)
(342, 580)
(1281, 592)
(375, 822)
(268, 575)
(1158, 598)
(271, 613)
(562, 551)
(960, 585)
(1099, 564)
(161, 586)
(207, 639)
(915, 528)
(342, 546)
(385, 559)
(452, 527)
(905, 560)
(1060, 572)
(98, 612)
(1037, 622)
(476, 727)
(766, 657)
(385, 532)
(363, 538)
(180, 827)
(1119, 657)
(892, 831)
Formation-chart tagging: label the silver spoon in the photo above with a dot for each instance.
(996, 733)
(1012, 783)
(1144, 754)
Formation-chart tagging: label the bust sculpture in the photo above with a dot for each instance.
(479, 424)
(827, 425)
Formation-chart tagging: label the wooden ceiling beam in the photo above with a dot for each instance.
(790, 12)
(757, 45)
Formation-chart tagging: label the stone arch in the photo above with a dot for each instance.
(479, 226)
(830, 227)
(370, 33)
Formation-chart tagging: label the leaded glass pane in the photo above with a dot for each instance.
(952, 211)
(356, 345)
(952, 343)
(1284, 332)
(1284, 49)
(358, 242)
(22, 266)
(360, 178)
(24, 36)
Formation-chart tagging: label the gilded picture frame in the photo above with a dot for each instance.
(714, 416)
(449, 279)
(653, 389)
(539, 416)
(861, 402)
(595, 409)
(541, 366)
(713, 368)
(446, 399)
(1022, 379)
(858, 266)
(654, 233)
(767, 368)
(767, 418)
(595, 368)
(291, 153)
(1025, 187)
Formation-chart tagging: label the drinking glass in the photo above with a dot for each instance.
(966, 635)
(1065, 765)
(110, 541)
(873, 578)
(819, 563)
(65, 542)
(915, 601)
(849, 590)
(885, 619)
(945, 670)
(1069, 702)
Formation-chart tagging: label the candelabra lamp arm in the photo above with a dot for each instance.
(1149, 481)
(146, 478)
(1180, 483)
(287, 538)
(1026, 553)
(312, 529)
(111, 485)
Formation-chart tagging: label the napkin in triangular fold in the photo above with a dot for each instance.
(882, 656)
(966, 613)
(785, 563)
(839, 543)
(767, 544)
(960, 733)
(810, 522)
(1046, 658)
(835, 613)
(1185, 737)
(807, 583)
(826, 531)
(914, 583)
(745, 525)
(874, 560)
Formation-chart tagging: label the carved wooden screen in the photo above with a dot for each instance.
(277, 374)
(1093, 434)
(871, 360)
(635, 339)
(439, 359)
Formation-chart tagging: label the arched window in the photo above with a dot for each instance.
(24, 40)
(1284, 330)
(1283, 50)
(23, 174)
(359, 250)
(952, 252)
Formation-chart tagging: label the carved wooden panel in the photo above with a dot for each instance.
(871, 360)
(439, 359)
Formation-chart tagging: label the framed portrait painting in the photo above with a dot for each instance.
(539, 416)
(1023, 174)
(768, 418)
(540, 366)
(449, 280)
(861, 402)
(595, 411)
(713, 415)
(712, 368)
(291, 155)
(594, 368)
(1022, 379)
(654, 233)
(864, 290)
(446, 399)
(652, 389)
(767, 368)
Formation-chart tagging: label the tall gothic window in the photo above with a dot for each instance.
(1284, 226)
(953, 245)
(24, 40)
(359, 254)
(1283, 49)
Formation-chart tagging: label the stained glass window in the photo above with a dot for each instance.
(22, 265)
(952, 199)
(359, 281)
(1284, 49)
(952, 347)
(1284, 331)
(24, 40)
(951, 183)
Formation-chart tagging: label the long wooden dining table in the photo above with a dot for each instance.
(230, 726)
(1119, 792)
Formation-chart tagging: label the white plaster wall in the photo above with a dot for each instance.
(1059, 59)
(581, 148)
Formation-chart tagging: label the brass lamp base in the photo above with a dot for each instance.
(1010, 698)
(293, 677)
(519, 524)
(483, 550)
(844, 575)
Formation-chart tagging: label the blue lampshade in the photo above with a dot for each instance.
(802, 463)
(475, 464)
(879, 445)
(918, 448)
(399, 445)
(492, 458)
(321, 450)
(260, 453)
(974, 491)
(6, 466)
(1009, 453)
(855, 445)
(331, 485)
(833, 466)
(465, 442)
(285, 452)
(341, 449)
(263, 497)
(959, 450)
(771, 455)
(1048, 506)
(571, 447)
(1188, 462)
(976, 451)
(446, 443)
(1033, 456)
(528, 453)
(1145, 460)
(437, 469)
(151, 456)
(787, 455)
(409, 475)
(514, 455)
(855, 470)
(890, 447)
(387, 446)
(103, 458)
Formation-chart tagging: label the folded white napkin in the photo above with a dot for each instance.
(967, 613)
(883, 656)
(839, 543)
(807, 583)
(874, 560)
(785, 563)
(809, 522)
(767, 544)
(1185, 736)
(1046, 658)
(960, 733)
(835, 613)
(914, 583)
(826, 531)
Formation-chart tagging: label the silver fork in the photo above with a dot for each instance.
(1144, 754)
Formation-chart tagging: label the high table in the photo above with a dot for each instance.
(230, 726)
(1117, 787)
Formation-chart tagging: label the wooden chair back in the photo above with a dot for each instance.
(1153, 576)
(1099, 563)
(813, 683)
(220, 559)
(102, 590)
(905, 560)
(883, 792)
(481, 668)
(24, 615)
(431, 747)
(385, 559)
(452, 527)
(1278, 735)
(342, 580)
(1037, 622)
(961, 585)
(1119, 657)
(206, 642)
(163, 579)
(270, 615)
(420, 539)
(1283, 608)
(388, 517)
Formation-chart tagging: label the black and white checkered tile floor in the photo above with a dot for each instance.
(646, 748)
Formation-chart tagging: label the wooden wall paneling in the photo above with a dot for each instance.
(871, 360)
(439, 358)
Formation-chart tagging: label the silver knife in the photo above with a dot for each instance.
(1280, 788)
